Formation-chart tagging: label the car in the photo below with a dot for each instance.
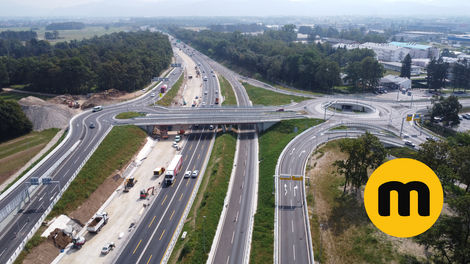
(466, 116)
(376, 92)
(194, 104)
(197, 97)
(385, 92)
(175, 144)
(203, 103)
(406, 136)
(203, 71)
(430, 138)
(177, 138)
(143, 90)
(211, 127)
(195, 173)
(187, 174)
(92, 125)
(212, 105)
(213, 75)
(438, 94)
(108, 247)
(280, 110)
(381, 92)
(460, 117)
(212, 71)
(409, 143)
(196, 125)
(216, 92)
(205, 92)
(97, 108)
(153, 95)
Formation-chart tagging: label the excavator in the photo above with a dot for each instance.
(144, 194)
(129, 183)
(78, 242)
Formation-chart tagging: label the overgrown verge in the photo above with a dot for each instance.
(271, 144)
(127, 115)
(41, 158)
(260, 96)
(209, 203)
(112, 154)
(348, 235)
(171, 94)
(35, 241)
(403, 152)
(226, 90)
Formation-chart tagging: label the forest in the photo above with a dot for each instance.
(14, 121)
(20, 35)
(65, 26)
(275, 56)
(123, 61)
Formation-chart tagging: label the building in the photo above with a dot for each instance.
(423, 63)
(395, 82)
(459, 39)
(386, 52)
(396, 66)
(418, 51)
(334, 41)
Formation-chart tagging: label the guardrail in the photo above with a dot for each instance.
(167, 255)
(54, 201)
(374, 110)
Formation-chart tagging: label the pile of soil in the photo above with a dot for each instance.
(110, 97)
(45, 114)
(59, 238)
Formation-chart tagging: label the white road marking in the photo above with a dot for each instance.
(285, 187)
(228, 259)
(240, 199)
(293, 246)
(292, 151)
(295, 188)
(301, 153)
(236, 218)
(76, 160)
(42, 196)
(292, 226)
(233, 235)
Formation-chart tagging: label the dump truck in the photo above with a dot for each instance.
(216, 100)
(163, 88)
(98, 222)
(173, 169)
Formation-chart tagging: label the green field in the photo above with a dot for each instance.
(127, 115)
(15, 153)
(7, 95)
(209, 202)
(260, 96)
(171, 94)
(67, 35)
(226, 90)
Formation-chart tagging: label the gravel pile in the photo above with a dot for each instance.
(44, 114)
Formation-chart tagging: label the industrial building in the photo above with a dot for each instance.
(396, 66)
(418, 51)
(395, 82)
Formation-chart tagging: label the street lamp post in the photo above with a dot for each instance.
(321, 239)
(204, 233)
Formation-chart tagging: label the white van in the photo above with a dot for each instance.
(205, 78)
(97, 108)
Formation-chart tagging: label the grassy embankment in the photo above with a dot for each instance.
(209, 202)
(14, 153)
(123, 142)
(67, 35)
(271, 142)
(226, 91)
(7, 95)
(260, 96)
(171, 94)
(127, 115)
(348, 234)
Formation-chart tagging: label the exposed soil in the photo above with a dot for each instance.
(46, 252)
(59, 238)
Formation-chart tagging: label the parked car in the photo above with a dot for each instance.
(187, 174)
(409, 143)
(108, 247)
(195, 173)
(177, 138)
(197, 97)
(203, 103)
(430, 138)
(385, 92)
(466, 116)
(175, 144)
(375, 92)
(196, 125)
(280, 110)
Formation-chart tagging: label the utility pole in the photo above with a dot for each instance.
(403, 121)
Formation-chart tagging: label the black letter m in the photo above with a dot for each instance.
(404, 197)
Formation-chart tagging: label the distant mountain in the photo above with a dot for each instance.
(123, 8)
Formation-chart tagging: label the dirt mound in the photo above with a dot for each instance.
(47, 116)
(59, 238)
(31, 100)
(110, 97)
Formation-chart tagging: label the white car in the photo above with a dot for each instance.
(175, 144)
(203, 103)
(108, 247)
(409, 143)
(205, 92)
(153, 95)
(211, 127)
(195, 173)
(187, 174)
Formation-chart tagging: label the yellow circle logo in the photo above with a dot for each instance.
(403, 197)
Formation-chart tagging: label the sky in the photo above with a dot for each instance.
(68, 3)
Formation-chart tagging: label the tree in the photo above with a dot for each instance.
(48, 35)
(13, 120)
(461, 74)
(437, 73)
(450, 235)
(406, 67)
(4, 78)
(106, 27)
(55, 33)
(394, 38)
(365, 152)
(402, 39)
(446, 108)
(371, 72)
(447, 53)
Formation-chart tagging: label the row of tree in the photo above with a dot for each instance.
(20, 35)
(65, 26)
(13, 120)
(276, 57)
(51, 35)
(123, 61)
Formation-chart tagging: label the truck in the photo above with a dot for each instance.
(158, 171)
(99, 220)
(217, 100)
(163, 88)
(173, 169)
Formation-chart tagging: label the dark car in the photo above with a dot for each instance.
(92, 125)
(409, 143)
(376, 92)
(280, 110)
(430, 138)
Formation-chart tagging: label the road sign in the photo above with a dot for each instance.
(409, 117)
(47, 181)
(284, 177)
(297, 178)
(417, 117)
(34, 181)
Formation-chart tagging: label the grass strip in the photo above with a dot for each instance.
(111, 155)
(340, 128)
(127, 115)
(171, 94)
(227, 91)
(7, 95)
(209, 202)
(271, 142)
(260, 96)
(39, 160)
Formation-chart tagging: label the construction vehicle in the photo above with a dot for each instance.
(158, 171)
(98, 222)
(78, 242)
(217, 100)
(173, 169)
(144, 194)
(77, 104)
(129, 183)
